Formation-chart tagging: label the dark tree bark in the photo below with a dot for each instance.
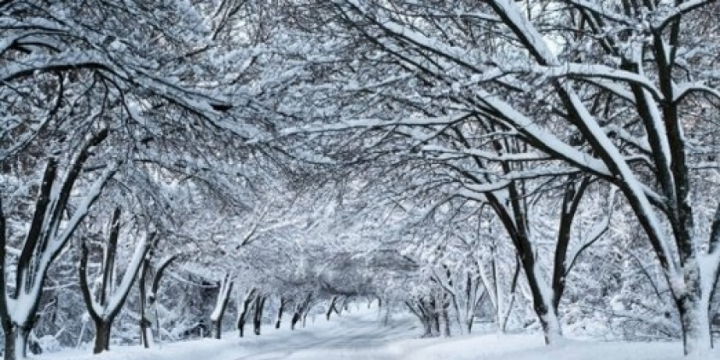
(331, 308)
(242, 315)
(258, 313)
(102, 335)
(281, 309)
(294, 320)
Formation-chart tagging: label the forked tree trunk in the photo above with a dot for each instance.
(149, 302)
(331, 307)
(426, 312)
(301, 311)
(110, 301)
(242, 315)
(16, 341)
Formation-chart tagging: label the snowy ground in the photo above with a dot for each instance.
(360, 336)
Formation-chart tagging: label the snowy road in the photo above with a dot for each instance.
(348, 337)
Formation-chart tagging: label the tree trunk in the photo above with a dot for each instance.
(218, 313)
(144, 322)
(331, 307)
(446, 319)
(217, 328)
(242, 315)
(281, 310)
(296, 317)
(257, 316)
(241, 328)
(102, 335)
(427, 327)
(694, 310)
(16, 342)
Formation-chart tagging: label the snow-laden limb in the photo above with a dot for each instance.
(675, 12)
(372, 123)
(489, 155)
(597, 8)
(681, 90)
(599, 71)
(545, 140)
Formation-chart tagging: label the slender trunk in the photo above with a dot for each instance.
(280, 312)
(331, 307)
(241, 327)
(144, 322)
(102, 335)
(499, 304)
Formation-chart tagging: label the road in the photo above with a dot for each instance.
(355, 337)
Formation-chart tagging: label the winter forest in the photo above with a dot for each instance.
(182, 169)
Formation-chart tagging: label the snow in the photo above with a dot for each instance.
(360, 335)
